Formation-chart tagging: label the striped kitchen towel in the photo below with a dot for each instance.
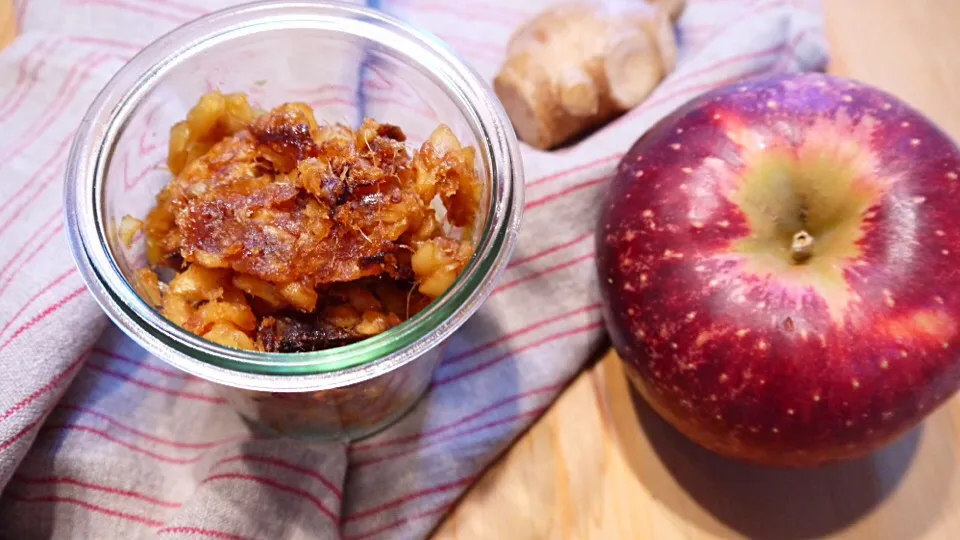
(100, 440)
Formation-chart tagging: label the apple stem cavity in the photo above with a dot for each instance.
(801, 248)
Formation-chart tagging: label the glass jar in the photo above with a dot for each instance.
(348, 63)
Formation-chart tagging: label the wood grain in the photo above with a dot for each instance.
(601, 465)
(8, 23)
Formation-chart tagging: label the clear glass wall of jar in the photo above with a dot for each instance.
(346, 62)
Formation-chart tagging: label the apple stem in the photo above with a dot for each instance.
(802, 247)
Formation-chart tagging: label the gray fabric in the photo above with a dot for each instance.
(100, 440)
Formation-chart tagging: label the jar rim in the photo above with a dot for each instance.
(104, 121)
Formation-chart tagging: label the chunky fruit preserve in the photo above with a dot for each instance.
(278, 234)
(284, 235)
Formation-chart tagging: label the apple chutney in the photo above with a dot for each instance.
(279, 234)
(260, 209)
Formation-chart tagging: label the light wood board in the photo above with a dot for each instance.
(8, 23)
(601, 465)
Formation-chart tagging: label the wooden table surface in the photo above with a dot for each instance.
(601, 465)
(8, 23)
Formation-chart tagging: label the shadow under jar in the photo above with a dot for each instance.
(347, 63)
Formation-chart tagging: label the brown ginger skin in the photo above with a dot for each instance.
(578, 65)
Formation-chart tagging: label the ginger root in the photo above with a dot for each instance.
(576, 66)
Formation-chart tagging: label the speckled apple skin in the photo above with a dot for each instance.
(747, 365)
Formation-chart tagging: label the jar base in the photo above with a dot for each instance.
(325, 435)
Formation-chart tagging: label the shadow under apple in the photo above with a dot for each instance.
(769, 503)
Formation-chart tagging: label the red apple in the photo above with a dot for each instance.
(780, 263)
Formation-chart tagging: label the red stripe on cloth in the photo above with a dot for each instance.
(579, 168)
(146, 148)
(498, 359)
(284, 465)
(22, 69)
(182, 7)
(157, 166)
(153, 438)
(539, 274)
(43, 290)
(477, 43)
(150, 386)
(324, 88)
(58, 158)
(409, 497)
(135, 8)
(92, 507)
(516, 333)
(270, 482)
(13, 106)
(402, 521)
(486, 52)
(43, 315)
(572, 189)
(209, 533)
(29, 242)
(65, 481)
(453, 436)
(113, 355)
(106, 42)
(471, 14)
(31, 200)
(321, 103)
(550, 250)
(56, 110)
(459, 422)
(39, 249)
(490, 50)
(26, 78)
(38, 245)
(20, 434)
(132, 447)
(51, 384)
